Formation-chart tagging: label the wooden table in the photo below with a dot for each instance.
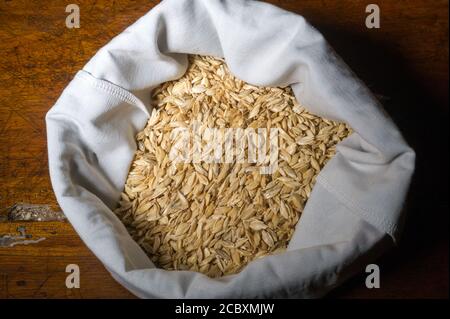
(405, 62)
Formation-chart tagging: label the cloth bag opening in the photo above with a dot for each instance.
(355, 209)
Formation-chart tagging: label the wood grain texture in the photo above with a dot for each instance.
(39, 270)
(405, 62)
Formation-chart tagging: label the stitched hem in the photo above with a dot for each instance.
(382, 224)
(112, 89)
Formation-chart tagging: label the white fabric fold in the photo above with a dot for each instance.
(358, 196)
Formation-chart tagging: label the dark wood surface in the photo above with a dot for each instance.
(405, 62)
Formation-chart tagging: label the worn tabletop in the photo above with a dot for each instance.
(405, 62)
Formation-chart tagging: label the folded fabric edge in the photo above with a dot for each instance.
(382, 225)
(113, 89)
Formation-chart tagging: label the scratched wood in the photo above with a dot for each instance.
(405, 62)
(39, 270)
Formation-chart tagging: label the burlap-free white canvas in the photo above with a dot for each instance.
(354, 209)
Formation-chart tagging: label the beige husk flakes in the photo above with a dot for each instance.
(215, 218)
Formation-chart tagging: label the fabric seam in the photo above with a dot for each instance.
(111, 88)
(387, 226)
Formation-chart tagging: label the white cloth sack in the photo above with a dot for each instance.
(355, 204)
